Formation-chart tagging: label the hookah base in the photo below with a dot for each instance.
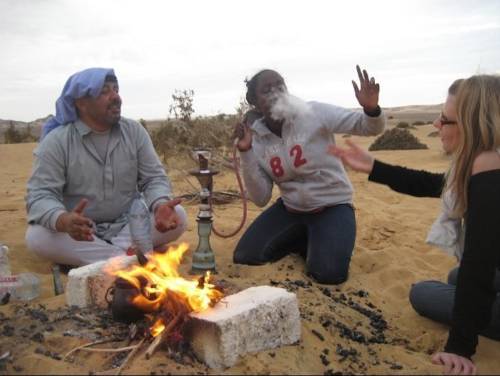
(202, 269)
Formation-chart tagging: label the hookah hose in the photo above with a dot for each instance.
(243, 197)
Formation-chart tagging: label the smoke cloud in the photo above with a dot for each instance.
(288, 107)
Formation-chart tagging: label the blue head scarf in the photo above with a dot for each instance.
(87, 82)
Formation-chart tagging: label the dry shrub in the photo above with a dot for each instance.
(403, 125)
(397, 139)
(176, 136)
(16, 136)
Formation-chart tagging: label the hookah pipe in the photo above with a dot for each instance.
(243, 197)
(248, 118)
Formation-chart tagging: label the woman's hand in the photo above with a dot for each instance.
(244, 136)
(454, 364)
(356, 158)
(367, 95)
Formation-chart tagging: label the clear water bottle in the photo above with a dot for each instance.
(22, 286)
(4, 260)
(140, 225)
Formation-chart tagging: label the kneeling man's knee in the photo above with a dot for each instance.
(183, 218)
(181, 224)
(36, 237)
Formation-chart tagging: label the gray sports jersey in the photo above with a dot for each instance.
(308, 177)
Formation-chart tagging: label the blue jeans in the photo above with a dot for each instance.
(324, 239)
(435, 300)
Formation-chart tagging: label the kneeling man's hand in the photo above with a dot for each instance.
(75, 224)
(166, 217)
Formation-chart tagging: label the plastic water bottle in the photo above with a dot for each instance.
(22, 286)
(140, 225)
(4, 260)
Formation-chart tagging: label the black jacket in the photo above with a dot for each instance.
(474, 294)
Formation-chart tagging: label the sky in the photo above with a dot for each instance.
(413, 48)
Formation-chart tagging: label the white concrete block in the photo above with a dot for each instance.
(87, 285)
(252, 320)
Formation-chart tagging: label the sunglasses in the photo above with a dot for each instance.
(443, 120)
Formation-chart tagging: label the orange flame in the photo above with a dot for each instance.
(162, 286)
(157, 328)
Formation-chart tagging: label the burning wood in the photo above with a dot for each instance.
(156, 291)
(159, 339)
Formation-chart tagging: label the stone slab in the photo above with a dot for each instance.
(87, 285)
(255, 319)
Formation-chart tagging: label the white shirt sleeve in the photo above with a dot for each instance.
(341, 120)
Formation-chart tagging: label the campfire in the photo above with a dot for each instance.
(161, 287)
(164, 308)
(159, 294)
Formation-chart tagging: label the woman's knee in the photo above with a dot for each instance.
(424, 295)
(329, 267)
(418, 296)
(434, 300)
(452, 276)
(246, 256)
(252, 250)
(328, 275)
(240, 257)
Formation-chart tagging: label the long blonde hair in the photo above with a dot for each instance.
(478, 118)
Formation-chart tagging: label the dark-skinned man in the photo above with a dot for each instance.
(90, 164)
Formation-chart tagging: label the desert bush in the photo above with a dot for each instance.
(397, 139)
(14, 136)
(418, 122)
(403, 125)
(243, 107)
(182, 106)
(177, 136)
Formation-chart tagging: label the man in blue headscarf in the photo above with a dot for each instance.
(88, 167)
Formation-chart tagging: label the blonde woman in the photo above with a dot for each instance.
(468, 226)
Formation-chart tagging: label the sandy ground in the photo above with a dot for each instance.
(389, 256)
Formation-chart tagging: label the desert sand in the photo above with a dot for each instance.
(390, 254)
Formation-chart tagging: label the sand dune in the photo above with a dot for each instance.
(390, 255)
